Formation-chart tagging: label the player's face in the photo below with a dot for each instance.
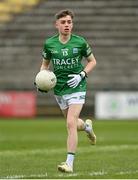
(64, 25)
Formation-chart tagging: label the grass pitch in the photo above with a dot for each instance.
(33, 149)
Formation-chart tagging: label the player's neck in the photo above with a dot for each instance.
(64, 38)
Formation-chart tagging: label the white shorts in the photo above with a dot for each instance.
(68, 99)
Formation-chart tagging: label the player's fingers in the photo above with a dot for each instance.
(71, 80)
(71, 75)
(72, 84)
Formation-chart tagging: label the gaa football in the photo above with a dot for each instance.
(45, 80)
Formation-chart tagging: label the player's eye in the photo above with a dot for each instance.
(69, 21)
(63, 22)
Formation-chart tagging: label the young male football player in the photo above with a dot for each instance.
(65, 51)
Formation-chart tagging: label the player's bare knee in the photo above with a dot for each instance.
(71, 125)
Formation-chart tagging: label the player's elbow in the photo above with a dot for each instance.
(94, 62)
(91, 59)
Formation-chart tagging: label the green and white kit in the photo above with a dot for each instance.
(66, 60)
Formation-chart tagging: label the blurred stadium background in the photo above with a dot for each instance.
(111, 27)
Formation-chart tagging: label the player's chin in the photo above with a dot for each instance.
(66, 32)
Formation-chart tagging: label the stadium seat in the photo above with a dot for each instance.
(10, 7)
(109, 26)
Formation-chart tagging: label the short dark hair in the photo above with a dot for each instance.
(64, 13)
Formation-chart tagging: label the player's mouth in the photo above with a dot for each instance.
(66, 30)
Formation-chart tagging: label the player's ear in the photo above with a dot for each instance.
(56, 24)
(72, 24)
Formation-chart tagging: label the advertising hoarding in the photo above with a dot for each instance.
(17, 104)
(117, 105)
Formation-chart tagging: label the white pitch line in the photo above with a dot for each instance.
(127, 172)
(106, 148)
(32, 152)
(69, 175)
(21, 176)
(97, 173)
(63, 175)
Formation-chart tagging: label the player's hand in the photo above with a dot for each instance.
(38, 89)
(76, 79)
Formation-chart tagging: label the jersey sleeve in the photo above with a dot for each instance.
(86, 50)
(46, 54)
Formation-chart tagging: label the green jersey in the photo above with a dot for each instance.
(66, 59)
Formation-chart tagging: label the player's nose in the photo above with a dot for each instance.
(66, 24)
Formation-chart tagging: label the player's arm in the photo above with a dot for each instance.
(91, 64)
(76, 78)
(45, 64)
